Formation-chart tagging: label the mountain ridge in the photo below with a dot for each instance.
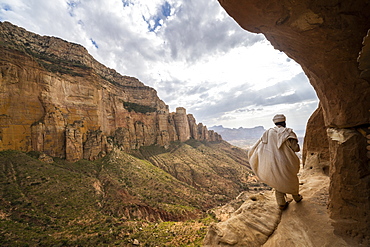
(57, 99)
(246, 137)
(90, 157)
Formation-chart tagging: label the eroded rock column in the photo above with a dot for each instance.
(182, 124)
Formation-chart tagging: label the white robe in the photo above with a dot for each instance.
(274, 162)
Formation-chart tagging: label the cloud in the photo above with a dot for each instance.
(190, 51)
(290, 91)
(296, 92)
(191, 35)
(236, 106)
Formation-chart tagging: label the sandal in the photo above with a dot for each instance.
(300, 199)
(283, 207)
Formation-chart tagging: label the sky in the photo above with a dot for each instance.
(190, 51)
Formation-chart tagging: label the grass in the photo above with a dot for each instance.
(56, 64)
(61, 204)
(50, 62)
(157, 196)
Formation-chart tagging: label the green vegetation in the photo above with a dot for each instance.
(50, 62)
(104, 203)
(122, 84)
(218, 168)
(155, 195)
(138, 108)
(56, 64)
(111, 81)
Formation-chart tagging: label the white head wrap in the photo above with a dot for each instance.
(279, 118)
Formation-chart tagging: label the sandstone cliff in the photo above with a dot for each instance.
(326, 38)
(55, 98)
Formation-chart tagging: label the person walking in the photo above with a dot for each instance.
(274, 161)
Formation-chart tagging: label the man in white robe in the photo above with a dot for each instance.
(275, 163)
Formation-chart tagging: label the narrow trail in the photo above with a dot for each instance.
(307, 223)
(258, 222)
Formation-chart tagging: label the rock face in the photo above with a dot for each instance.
(56, 99)
(316, 145)
(250, 225)
(325, 38)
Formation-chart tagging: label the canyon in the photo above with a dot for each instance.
(57, 99)
(90, 157)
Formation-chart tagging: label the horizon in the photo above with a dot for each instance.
(299, 132)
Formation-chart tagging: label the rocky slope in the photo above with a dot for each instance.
(120, 199)
(217, 167)
(56, 99)
(329, 39)
(100, 160)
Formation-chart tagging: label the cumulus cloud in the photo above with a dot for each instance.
(190, 51)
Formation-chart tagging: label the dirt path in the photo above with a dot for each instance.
(307, 223)
(258, 222)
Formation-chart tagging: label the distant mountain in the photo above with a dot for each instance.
(239, 133)
(241, 137)
(246, 137)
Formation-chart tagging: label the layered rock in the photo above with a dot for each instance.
(250, 225)
(56, 99)
(181, 124)
(325, 38)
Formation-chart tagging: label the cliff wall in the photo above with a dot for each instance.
(326, 38)
(57, 99)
